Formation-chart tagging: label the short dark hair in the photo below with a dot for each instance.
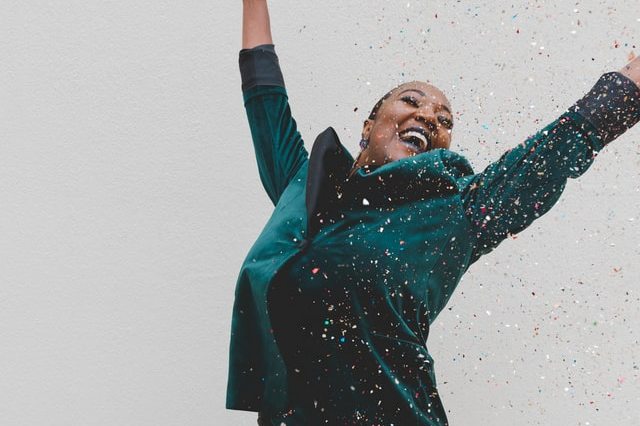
(376, 107)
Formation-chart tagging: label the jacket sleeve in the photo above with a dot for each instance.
(528, 179)
(278, 145)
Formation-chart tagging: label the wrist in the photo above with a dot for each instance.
(632, 71)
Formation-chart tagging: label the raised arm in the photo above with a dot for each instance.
(256, 29)
(278, 145)
(528, 179)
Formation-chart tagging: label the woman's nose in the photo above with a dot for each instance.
(426, 115)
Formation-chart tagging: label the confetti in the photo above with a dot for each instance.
(389, 270)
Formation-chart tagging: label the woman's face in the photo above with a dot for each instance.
(415, 118)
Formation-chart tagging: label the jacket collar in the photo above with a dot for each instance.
(329, 190)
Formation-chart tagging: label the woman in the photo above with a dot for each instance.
(335, 297)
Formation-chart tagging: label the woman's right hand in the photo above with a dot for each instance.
(256, 29)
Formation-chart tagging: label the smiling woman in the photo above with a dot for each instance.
(335, 299)
(412, 118)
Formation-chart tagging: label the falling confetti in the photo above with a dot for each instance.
(380, 276)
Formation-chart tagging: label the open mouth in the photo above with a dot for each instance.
(416, 137)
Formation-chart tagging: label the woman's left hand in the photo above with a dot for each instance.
(632, 70)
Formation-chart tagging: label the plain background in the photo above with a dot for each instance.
(130, 196)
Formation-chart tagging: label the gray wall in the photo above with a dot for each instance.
(130, 196)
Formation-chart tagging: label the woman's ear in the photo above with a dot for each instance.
(366, 129)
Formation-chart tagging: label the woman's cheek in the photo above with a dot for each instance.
(447, 137)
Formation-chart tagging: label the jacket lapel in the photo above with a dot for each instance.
(329, 165)
(329, 190)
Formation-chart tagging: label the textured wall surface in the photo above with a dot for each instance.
(130, 196)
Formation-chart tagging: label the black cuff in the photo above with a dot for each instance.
(259, 66)
(612, 105)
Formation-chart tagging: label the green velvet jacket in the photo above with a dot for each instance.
(393, 242)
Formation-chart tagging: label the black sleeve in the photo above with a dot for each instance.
(259, 65)
(612, 106)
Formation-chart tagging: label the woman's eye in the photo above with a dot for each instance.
(446, 122)
(410, 100)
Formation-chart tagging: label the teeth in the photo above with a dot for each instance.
(418, 135)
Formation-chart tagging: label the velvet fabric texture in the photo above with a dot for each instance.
(337, 293)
